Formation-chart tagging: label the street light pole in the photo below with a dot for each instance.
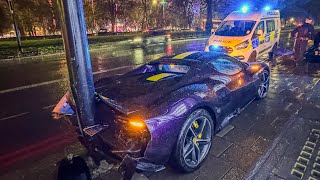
(163, 3)
(15, 24)
(78, 60)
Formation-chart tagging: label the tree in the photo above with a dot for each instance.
(209, 24)
(313, 8)
(132, 15)
(6, 22)
(89, 9)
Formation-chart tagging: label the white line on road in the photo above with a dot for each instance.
(10, 117)
(54, 81)
(109, 70)
(30, 86)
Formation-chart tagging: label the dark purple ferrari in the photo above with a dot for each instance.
(168, 109)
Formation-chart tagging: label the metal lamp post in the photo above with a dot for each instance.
(78, 60)
(10, 4)
(163, 3)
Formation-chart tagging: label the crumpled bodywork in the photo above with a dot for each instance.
(163, 104)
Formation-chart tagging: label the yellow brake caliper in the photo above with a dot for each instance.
(196, 126)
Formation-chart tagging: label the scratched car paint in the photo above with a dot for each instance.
(165, 95)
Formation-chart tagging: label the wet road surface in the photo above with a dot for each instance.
(29, 91)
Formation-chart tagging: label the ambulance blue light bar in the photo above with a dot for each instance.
(267, 8)
(244, 9)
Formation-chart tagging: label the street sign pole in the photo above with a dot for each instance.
(15, 24)
(209, 24)
(163, 3)
(78, 60)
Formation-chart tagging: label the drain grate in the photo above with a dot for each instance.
(307, 165)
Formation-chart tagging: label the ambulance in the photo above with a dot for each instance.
(247, 35)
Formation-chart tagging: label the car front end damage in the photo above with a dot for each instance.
(118, 136)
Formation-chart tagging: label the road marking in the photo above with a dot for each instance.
(10, 117)
(30, 86)
(54, 81)
(109, 70)
(37, 149)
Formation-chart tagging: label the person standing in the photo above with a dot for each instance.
(302, 35)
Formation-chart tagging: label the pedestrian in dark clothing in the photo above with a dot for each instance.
(302, 35)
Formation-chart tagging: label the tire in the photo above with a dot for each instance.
(253, 57)
(194, 141)
(263, 88)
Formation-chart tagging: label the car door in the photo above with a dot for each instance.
(232, 75)
(258, 38)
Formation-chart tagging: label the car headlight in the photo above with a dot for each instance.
(242, 45)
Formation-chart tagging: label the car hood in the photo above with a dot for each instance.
(226, 40)
(137, 92)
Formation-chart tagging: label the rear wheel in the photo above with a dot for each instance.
(253, 57)
(264, 85)
(194, 141)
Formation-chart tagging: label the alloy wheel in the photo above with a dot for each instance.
(197, 141)
(264, 85)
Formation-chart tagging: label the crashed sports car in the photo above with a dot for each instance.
(168, 109)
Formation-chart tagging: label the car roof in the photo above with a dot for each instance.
(200, 56)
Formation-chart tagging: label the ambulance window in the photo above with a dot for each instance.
(259, 27)
(270, 26)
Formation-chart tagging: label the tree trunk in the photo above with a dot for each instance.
(113, 24)
(209, 16)
(145, 18)
(22, 30)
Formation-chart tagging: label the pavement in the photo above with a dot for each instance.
(264, 142)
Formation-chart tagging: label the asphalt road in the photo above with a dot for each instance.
(29, 91)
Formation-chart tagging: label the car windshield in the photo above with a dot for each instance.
(235, 28)
(173, 68)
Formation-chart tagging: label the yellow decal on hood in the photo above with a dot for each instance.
(183, 55)
(159, 76)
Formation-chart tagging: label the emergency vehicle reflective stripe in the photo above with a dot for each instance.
(272, 35)
(159, 76)
(183, 55)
